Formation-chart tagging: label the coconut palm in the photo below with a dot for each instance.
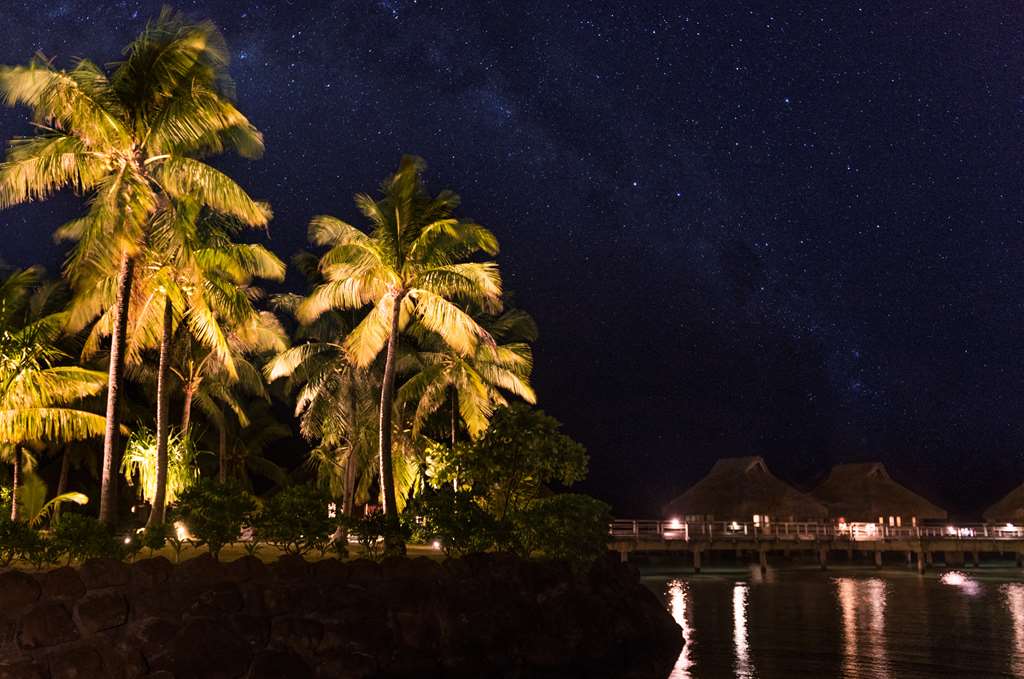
(473, 384)
(36, 392)
(131, 140)
(195, 275)
(336, 402)
(411, 268)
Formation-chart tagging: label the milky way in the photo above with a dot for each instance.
(742, 230)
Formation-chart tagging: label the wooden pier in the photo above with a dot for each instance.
(959, 545)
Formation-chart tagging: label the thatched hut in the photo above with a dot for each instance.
(865, 493)
(742, 489)
(1008, 510)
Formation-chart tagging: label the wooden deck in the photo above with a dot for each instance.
(959, 544)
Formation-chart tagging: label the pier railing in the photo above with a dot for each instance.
(675, 529)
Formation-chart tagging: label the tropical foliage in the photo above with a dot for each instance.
(407, 376)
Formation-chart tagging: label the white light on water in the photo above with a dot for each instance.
(744, 668)
(678, 594)
(958, 579)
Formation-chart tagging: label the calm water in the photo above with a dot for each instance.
(852, 623)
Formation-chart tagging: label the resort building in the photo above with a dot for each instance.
(742, 489)
(864, 493)
(1009, 510)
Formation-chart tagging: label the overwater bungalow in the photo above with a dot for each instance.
(1008, 510)
(865, 493)
(742, 489)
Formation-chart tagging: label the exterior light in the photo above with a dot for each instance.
(734, 526)
(127, 540)
(436, 544)
(180, 531)
(1010, 526)
(674, 524)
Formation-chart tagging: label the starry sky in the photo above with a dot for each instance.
(791, 231)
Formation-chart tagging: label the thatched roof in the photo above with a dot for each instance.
(1010, 508)
(737, 488)
(864, 492)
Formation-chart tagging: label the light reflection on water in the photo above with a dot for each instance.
(677, 595)
(863, 605)
(744, 670)
(887, 626)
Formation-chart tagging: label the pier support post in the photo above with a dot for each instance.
(849, 553)
(878, 558)
(920, 562)
(696, 560)
(910, 558)
(623, 555)
(1020, 559)
(763, 559)
(823, 558)
(976, 560)
(929, 559)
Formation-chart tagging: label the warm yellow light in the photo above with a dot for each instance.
(436, 544)
(180, 531)
(674, 524)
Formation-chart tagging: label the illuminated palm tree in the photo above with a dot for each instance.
(474, 382)
(336, 403)
(131, 140)
(35, 392)
(411, 268)
(195, 273)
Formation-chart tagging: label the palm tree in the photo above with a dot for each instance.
(474, 382)
(131, 140)
(410, 267)
(337, 403)
(35, 392)
(214, 380)
(196, 273)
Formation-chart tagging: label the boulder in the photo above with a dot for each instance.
(18, 592)
(48, 624)
(273, 664)
(101, 610)
(62, 583)
(149, 573)
(21, 669)
(205, 649)
(103, 573)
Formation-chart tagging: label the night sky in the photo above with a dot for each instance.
(743, 230)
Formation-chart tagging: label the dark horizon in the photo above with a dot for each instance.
(791, 233)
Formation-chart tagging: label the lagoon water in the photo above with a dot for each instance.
(847, 622)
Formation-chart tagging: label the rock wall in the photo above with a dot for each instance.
(480, 616)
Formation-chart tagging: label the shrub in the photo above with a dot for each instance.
(214, 514)
(19, 541)
(154, 538)
(369, 531)
(77, 538)
(568, 526)
(454, 519)
(296, 520)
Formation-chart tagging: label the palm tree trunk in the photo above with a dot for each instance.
(112, 435)
(163, 429)
(62, 481)
(222, 442)
(186, 413)
(393, 543)
(16, 484)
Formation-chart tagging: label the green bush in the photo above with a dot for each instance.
(19, 541)
(77, 538)
(567, 526)
(214, 514)
(456, 521)
(369, 531)
(296, 520)
(154, 538)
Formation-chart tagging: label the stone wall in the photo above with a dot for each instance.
(480, 616)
